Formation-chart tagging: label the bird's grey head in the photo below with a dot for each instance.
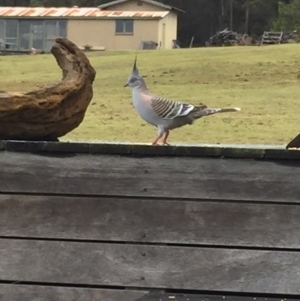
(135, 80)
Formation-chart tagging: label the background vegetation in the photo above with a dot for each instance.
(202, 18)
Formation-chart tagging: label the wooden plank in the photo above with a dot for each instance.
(17, 292)
(145, 266)
(250, 151)
(127, 148)
(231, 179)
(121, 148)
(159, 221)
(44, 293)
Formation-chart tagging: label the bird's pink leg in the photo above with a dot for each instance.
(156, 139)
(165, 138)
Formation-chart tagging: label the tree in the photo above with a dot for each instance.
(261, 14)
(247, 16)
(288, 16)
(15, 2)
(231, 15)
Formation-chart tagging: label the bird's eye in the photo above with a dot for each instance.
(133, 80)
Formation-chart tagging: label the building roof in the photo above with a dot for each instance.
(76, 12)
(156, 3)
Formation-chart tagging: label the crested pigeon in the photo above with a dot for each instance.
(166, 114)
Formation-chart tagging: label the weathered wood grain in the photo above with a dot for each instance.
(231, 179)
(152, 220)
(17, 292)
(150, 266)
(253, 151)
(52, 111)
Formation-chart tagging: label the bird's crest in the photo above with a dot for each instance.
(135, 69)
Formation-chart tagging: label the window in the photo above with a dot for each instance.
(2, 34)
(37, 34)
(53, 30)
(48, 45)
(25, 34)
(12, 28)
(124, 26)
(11, 44)
(11, 33)
(62, 24)
(2, 26)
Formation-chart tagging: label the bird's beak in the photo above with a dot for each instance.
(125, 85)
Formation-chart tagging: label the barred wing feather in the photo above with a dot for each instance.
(170, 109)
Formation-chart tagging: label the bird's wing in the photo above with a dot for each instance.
(170, 109)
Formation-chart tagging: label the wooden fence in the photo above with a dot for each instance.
(108, 222)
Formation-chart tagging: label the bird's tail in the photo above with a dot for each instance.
(211, 111)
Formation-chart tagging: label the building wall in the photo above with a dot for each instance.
(170, 24)
(99, 33)
(133, 6)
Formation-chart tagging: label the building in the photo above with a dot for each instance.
(119, 25)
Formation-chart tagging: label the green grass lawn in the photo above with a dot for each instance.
(263, 81)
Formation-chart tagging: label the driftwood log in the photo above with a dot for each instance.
(51, 112)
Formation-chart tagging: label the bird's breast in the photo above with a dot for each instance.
(144, 108)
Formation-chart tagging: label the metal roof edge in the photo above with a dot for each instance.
(75, 13)
(169, 7)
